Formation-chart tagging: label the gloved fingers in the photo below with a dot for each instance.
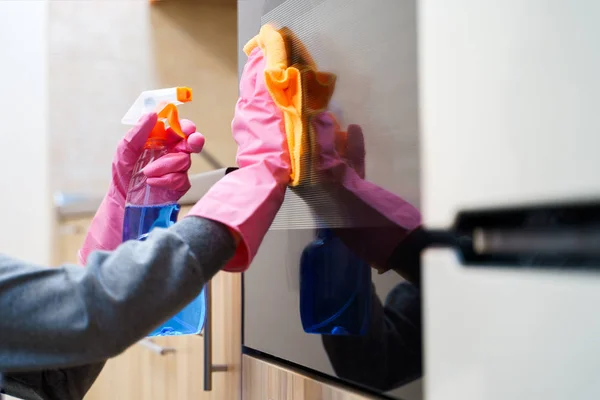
(187, 126)
(192, 144)
(325, 132)
(250, 72)
(170, 162)
(195, 142)
(176, 181)
(136, 137)
(354, 154)
(330, 163)
(261, 91)
(355, 149)
(355, 140)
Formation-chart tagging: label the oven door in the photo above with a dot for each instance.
(371, 46)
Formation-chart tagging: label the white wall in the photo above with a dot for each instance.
(509, 115)
(26, 220)
(509, 103)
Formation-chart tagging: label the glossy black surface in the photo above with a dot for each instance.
(371, 48)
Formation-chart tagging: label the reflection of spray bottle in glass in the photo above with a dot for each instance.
(335, 284)
(148, 208)
(335, 288)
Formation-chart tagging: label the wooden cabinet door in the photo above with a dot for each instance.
(265, 381)
(140, 373)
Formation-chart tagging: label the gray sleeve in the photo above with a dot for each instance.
(70, 316)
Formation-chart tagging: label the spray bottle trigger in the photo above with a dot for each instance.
(170, 115)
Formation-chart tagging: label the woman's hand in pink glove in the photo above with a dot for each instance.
(376, 220)
(247, 200)
(258, 126)
(168, 172)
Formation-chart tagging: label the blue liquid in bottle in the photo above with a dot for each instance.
(142, 215)
(335, 288)
(139, 222)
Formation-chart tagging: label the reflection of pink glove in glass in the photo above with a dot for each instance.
(248, 199)
(379, 220)
(168, 172)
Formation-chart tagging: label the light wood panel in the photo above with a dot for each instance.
(141, 374)
(265, 381)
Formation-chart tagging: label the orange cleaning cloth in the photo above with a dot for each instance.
(298, 89)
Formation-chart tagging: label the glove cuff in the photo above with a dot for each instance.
(246, 201)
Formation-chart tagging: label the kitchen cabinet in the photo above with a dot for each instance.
(141, 373)
(266, 381)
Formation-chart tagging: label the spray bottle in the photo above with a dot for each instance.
(335, 288)
(148, 208)
(335, 283)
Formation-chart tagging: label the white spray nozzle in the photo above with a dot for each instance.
(149, 100)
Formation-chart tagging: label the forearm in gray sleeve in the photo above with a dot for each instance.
(68, 316)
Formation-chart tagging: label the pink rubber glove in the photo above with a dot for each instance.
(378, 219)
(248, 199)
(168, 173)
